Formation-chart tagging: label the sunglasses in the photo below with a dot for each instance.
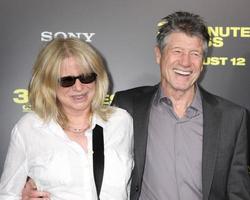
(68, 81)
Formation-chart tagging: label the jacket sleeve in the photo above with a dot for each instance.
(239, 180)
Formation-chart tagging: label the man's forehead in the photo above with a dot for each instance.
(179, 39)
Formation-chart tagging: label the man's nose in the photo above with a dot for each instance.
(185, 60)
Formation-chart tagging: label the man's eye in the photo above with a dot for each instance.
(197, 54)
(177, 51)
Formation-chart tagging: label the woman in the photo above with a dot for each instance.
(53, 144)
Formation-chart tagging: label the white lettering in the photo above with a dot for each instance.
(60, 34)
(88, 36)
(47, 36)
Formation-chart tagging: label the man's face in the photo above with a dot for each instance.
(181, 62)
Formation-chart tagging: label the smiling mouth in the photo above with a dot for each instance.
(183, 73)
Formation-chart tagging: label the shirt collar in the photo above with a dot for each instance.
(97, 120)
(196, 103)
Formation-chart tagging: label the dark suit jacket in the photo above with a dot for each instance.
(224, 156)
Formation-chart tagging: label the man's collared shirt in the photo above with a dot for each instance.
(174, 152)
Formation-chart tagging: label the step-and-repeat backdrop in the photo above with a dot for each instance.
(124, 32)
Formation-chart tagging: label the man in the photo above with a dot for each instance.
(189, 144)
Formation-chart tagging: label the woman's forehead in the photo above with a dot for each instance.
(73, 62)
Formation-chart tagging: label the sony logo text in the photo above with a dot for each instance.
(47, 36)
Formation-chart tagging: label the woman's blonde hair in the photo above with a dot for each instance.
(46, 73)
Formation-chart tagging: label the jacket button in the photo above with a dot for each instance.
(137, 188)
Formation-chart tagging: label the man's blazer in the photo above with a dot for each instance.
(225, 143)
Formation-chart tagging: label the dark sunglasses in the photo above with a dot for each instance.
(68, 81)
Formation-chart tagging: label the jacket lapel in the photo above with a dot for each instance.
(142, 105)
(211, 136)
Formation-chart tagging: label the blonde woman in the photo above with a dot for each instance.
(54, 145)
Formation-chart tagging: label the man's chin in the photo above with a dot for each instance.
(184, 88)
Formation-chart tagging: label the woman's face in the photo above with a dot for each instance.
(77, 98)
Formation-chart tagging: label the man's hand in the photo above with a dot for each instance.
(30, 192)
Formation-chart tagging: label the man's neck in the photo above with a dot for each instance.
(181, 100)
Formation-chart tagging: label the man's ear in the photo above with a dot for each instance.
(157, 55)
